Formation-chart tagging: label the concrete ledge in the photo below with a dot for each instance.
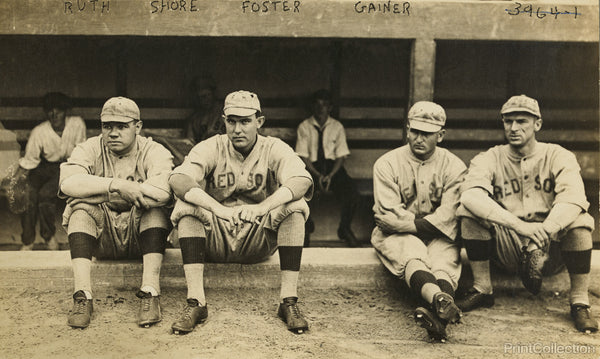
(321, 268)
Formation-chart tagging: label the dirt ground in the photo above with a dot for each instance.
(243, 323)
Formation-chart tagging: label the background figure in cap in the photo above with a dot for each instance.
(416, 195)
(206, 120)
(116, 185)
(49, 144)
(321, 143)
(523, 205)
(241, 196)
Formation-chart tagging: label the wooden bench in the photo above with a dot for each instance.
(372, 128)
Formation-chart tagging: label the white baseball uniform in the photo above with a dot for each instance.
(428, 189)
(528, 187)
(233, 180)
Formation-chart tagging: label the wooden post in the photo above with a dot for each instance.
(422, 73)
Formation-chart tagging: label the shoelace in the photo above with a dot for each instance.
(187, 312)
(294, 310)
(584, 309)
(81, 306)
(146, 304)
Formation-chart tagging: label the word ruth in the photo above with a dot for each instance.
(81, 5)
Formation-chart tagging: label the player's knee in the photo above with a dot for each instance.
(291, 230)
(577, 239)
(153, 240)
(190, 226)
(84, 220)
(472, 229)
(154, 218)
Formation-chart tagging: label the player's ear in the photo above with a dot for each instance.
(260, 120)
(538, 124)
(441, 133)
(138, 127)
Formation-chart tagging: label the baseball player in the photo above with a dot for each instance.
(321, 143)
(416, 196)
(49, 144)
(523, 205)
(117, 184)
(240, 196)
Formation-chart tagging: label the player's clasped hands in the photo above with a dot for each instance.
(129, 191)
(239, 215)
(536, 232)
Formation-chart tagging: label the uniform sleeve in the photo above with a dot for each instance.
(480, 173)
(33, 150)
(568, 186)
(159, 165)
(81, 161)
(341, 147)
(302, 141)
(386, 191)
(201, 160)
(287, 165)
(444, 217)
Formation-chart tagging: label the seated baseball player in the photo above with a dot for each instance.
(117, 184)
(523, 206)
(241, 196)
(321, 143)
(416, 195)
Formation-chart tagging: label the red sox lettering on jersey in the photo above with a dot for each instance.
(226, 174)
(428, 189)
(529, 186)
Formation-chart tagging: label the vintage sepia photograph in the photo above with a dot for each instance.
(299, 179)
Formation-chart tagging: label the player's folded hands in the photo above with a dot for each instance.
(251, 213)
(536, 232)
(129, 191)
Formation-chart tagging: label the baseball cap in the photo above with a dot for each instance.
(241, 103)
(521, 103)
(119, 109)
(426, 116)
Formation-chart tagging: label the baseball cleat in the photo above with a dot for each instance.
(290, 314)
(435, 327)
(149, 312)
(443, 305)
(81, 313)
(192, 314)
(475, 299)
(530, 270)
(582, 316)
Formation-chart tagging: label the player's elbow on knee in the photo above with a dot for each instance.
(181, 184)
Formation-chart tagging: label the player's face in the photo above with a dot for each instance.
(321, 109)
(520, 128)
(56, 117)
(119, 137)
(204, 97)
(242, 131)
(423, 144)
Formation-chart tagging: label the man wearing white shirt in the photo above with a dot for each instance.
(49, 144)
(321, 143)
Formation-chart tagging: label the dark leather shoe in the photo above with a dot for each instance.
(81, 313)
(192, 314)
(530, 270)
(582, 316)
(435, 327)
(345, 234)
(444, 307)
(475, 299)
(149, 312)
(290, 314)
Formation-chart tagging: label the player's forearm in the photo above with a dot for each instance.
(155, 194)
(477, 202)
(339, 162)
(298, 186)
(561, 216)
(197, 196)
(85, 185)
(280, 197)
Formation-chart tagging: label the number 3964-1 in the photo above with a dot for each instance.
(540, 12)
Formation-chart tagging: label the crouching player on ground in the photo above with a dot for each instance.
(241, 196)
(523, 206)
(116, 184)
(416, 196)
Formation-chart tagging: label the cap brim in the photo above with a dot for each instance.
(424, 126)
(519, 109)
(114, 118)
(236, 111)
